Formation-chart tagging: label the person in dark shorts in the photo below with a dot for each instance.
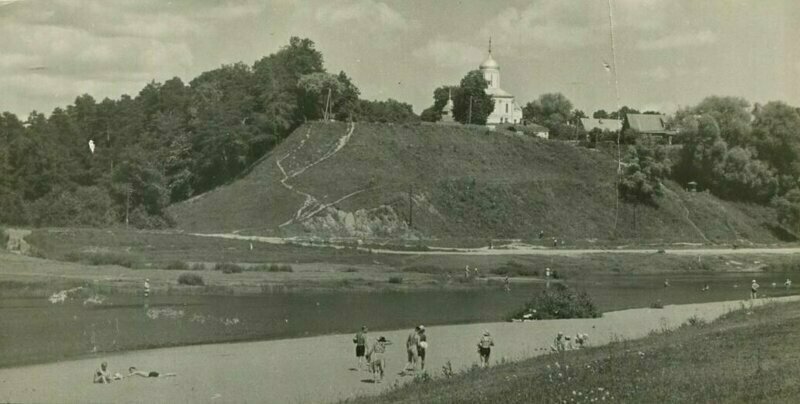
(361, 347)
(132, 371)
(412, 343)
(422, 346)
(485, 348)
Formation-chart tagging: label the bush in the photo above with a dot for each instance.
(396, 279)
(105, 258)
(228, 268)
(3, 238)
(177, 264)
(513, 268)
(270, 268)
(190, 279)
(198, 266)
(559, 302)
(426, 269)
(657, 305)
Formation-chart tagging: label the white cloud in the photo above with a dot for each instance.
(368, 13)
(681, 40)
(659, 73)
(450, 54)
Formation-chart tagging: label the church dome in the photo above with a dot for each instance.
(489, 63)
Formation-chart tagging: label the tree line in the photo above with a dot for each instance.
(169, 142)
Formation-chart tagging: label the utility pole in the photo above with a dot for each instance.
(470, 111)
(410, 206)
(127, 204)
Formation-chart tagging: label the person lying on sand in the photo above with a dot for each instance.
(133, 372)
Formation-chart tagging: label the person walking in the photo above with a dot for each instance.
(376, 357)
(485, 345)
(422, 346)
(754, 289)
(412, 342)
(361, 346)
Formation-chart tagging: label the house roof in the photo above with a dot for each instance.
(648, 123)
(611, 125)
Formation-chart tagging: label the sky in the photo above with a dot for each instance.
(665, 54)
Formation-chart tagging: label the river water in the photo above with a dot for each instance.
(36, 330)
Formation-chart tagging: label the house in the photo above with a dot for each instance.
(650, 124)
(611, 125)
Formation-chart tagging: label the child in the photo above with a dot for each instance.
(102, 375)
(485, 348)
(377, 360)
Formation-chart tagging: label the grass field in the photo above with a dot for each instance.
(749, 355)
(455, 183)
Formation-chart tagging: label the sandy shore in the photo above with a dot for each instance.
(317, 369)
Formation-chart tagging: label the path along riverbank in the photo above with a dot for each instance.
(317, 369)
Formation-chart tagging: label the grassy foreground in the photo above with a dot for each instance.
(748, 355)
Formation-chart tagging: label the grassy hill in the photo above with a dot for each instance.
(331, 179)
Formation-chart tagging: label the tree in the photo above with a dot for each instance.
(471, 104)
(787, 209)
(732, 115)
(385, 111)
(551, 110)
(600, 114)
(622, 112)
(646, 164)
(776, 130)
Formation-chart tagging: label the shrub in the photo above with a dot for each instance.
(513, 268)
(426, 269)
(228, 268)
(3, 238)
(280, 268)
(198, 266)
(178, 264)
(657, 305)
(396, 279)
(559, 301)
(104, 258)
(190, 279)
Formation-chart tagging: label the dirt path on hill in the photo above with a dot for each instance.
(315, 370)
(310, 200)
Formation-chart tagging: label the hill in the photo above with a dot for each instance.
(334, 179)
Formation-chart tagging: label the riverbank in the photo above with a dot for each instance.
(280, 371)
(746, 356)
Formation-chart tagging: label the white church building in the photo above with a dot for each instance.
(506, 109)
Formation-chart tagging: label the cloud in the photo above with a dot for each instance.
(659, 73)
(369, 13)
(450, 54)
(548, 24)
(683, 40)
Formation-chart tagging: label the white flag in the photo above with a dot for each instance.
(91, 146)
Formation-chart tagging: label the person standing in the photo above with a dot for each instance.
(146, 287)
(377, 359)
(485, 345)
(788, 284)
(411, 349)
(422, 346)
(754, 289)
(361, 346)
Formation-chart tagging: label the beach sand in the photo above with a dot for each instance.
(317, 369)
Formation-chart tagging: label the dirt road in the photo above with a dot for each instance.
(523, 249)
(313, 370)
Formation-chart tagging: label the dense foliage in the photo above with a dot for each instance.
(559, 301)
(471, 104)
(169, 142)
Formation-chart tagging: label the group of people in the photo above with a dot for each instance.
(754, 287)
(104, 376)
(373, 358)
(565, 342)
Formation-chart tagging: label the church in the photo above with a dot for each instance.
(506, 109)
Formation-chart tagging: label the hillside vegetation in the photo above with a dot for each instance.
(463, 182)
